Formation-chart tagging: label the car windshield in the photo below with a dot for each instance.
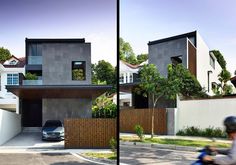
(53, 124)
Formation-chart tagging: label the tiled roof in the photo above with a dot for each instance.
(130, 65)
(20, 64)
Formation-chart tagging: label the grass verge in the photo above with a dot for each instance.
(111, 156)
(179, 142)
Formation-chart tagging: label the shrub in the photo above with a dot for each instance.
(207, 132)
(109, 111)
(113, 144)
(30, 76)
(139, 131)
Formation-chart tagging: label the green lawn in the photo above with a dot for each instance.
(111, 156)
(180, 142)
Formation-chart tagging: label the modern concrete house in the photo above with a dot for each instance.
(63, 86)
(190, 50)
(10, 72)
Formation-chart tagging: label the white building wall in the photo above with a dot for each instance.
(203, 65)
(204, 113)
(10, 125)
(8, 97)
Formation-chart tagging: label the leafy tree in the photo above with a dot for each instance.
(131, 59)
(104, 73)
(142, 57)
(4, 54)
(224, 77)
(125, 49)
(126, 52)
(156, 87)
(188, 84)
(179, 81)
(220, 58)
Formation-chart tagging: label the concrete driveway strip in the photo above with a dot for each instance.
(146, 155)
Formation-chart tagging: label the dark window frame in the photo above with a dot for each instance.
(74, 67)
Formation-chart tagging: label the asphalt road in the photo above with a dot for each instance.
(146, 155)
(41, 159)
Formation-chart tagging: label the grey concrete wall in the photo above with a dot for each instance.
(57, 62)
(160, 54)
(58, 109)
(171, 115)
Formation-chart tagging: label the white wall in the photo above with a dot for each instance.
(8, 97)
(204, 113)
(10, 125)
(203, 65)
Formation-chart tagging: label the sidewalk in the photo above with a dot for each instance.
(179, 137)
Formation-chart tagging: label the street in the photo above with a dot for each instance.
(144, 155)
(41, 159)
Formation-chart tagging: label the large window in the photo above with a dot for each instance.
(78, 70)
(12, 79)
(131, 78)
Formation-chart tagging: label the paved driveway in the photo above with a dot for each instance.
(31, 140)
(146, 155)
(41, 159)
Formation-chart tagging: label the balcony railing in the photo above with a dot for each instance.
(35, 60)
(32, 82)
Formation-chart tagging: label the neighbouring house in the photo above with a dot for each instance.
(10, 72)
(63, 86)
(128, 76)
(233, 81)
(190, 50)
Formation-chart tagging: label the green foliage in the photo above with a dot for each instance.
(113, 144)
(131, 59)
(78, 74)
(30, 76)
(126, 54)
(103, 107)
(142, 57)
(139, 131)
(223, 88)
(187, 83)
(4, 54)
(103, 72)
(220, 58)
(207, 132)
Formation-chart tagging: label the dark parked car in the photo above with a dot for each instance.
(53, 130)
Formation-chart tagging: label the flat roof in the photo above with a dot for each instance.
(190, 34)
(58, 91)
(55, 40)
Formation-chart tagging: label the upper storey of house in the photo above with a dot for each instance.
(59, 61)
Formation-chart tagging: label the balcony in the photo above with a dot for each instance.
(35, 60)
(32, 82)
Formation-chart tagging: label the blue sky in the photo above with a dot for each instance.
(94, 20)
(146, 20)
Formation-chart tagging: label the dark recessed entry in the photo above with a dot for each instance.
(31, 113)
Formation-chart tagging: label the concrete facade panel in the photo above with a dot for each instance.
(59, 109)
(57, 62)
(160, 54)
